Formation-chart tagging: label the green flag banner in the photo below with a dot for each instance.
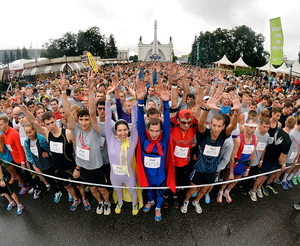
(276, 41)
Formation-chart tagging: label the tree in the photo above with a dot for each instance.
(25, 53)
(18, 54)
(133, 58)
(6, 58)
(111, 49)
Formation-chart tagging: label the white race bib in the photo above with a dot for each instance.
(181, 152)
(34, 150)
(102, 141)
(83, 154)
(9, 147)
(293, 155)
(152, 162)
(261, 146)
(212, 151)
(117, 170)
(248, 149)
(271, 140)
(23, 141)
(56, 147)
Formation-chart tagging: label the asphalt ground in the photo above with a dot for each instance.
(271, 220)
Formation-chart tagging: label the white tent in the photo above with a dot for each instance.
(283, 69)
(268, 67)
(296, 68)
(240, 63)
(224, 61)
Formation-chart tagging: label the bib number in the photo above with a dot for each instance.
(293, 155)
(152, 162)
(248, 149)
(211, 150)
(261, 146)
(83, 154)
(117, 170)
(22, 141)
(181, 152)
(34, 150)
(56, 147)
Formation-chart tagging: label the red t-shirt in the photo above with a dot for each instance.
(182, 141)
(13, 143)
(57, 115)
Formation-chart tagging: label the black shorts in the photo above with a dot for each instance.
(66, 174)
(6, 189)
(182, 175)
(198, 178)
(254, 170)
(93, 176)
(267, 167)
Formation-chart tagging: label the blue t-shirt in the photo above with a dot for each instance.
(224, 110)
(7, 155)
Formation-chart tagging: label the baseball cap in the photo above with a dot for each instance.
(206, 98)
(185, 113)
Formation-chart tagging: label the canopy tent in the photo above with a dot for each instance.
(296, 68)
(283, 69)
(268, 67)
(224, 61)
(240, 63)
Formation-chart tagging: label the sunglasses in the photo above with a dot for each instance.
(101, 108)
(185, 122)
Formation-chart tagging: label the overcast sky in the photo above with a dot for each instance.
(23, 22)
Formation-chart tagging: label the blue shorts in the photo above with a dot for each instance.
(239, 169)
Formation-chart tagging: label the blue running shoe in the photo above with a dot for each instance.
(278, 181)
(207, 198)
(284, 185)
(157, 214)
(148, 206)
(290, 184)
(195, 194)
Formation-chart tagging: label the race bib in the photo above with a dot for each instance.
(56, 147)
(211, 150)
(248, 149)
(293, 155)
(152, 162)
(9, 147)
(83, 154)
(181, 152)
(34, 150)
(271, 140)
(102, 141)
(23, 141)
(261, 146)
(117, 170)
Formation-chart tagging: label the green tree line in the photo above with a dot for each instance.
(238, 42)
(71, 44)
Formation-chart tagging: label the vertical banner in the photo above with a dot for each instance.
(198, 50)
(276, 41)
(92, 62)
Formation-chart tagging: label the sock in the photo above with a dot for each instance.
(290, 177)
(284, 177)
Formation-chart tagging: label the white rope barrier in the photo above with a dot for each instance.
(147, 188)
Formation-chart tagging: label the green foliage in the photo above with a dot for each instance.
(71, 44)
(18, 54)
(25, 53)
(235, 43)
(243, 71)
(133, 58)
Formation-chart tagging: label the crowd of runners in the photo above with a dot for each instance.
(149, 124)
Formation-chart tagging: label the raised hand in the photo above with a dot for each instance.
(19, 96)
(163, 92)
(91, 79)
(205, 77)
(213, 101)
(62, 82)
(113, 87)
(131, 90)
(140, 90)
(235, 101)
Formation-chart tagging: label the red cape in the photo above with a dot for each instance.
(169, 167)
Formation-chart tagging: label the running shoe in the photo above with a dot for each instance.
(297, 206)
(107, 209)
(118, 208)
(36, 194)
(87, 189)
(259, 193)
(20, 185)
(273, 188)
(295, 181)
(70, 197)
(220, 197)
(135, 209)
(290, 184)
(253, 195)
(11, 205)
(48, 187)
(228, 198)
(12, 180)
(284, 185)
(57, 196)
(197, 207)
(265, 190)
(184, 207)
(157, 214)
(165, 203)
(207, 198)
(33, 175)
(74, 204)
(31, 190)
(24, 190)
(176, 203)
(20, 209)
(86, 204)
(99, 209)
(278, 181)
(148, 206)
(298, 179)
(195, 194)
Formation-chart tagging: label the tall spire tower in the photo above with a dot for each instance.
(155, 42)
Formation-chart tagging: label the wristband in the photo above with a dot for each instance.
(248, 169)
(108, 97)
(133, 98)
(205, 109)
(261, 161)
(22, 105)
(173, 110)
(174, 86)
(141, 105)
(63, 92)
(78, 169)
